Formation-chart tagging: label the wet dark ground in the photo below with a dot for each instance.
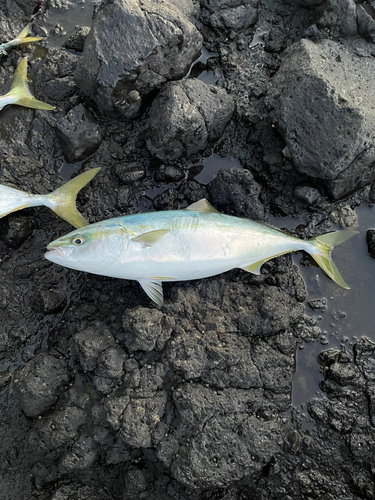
(316, 428)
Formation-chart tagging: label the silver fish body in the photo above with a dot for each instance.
(179, 245)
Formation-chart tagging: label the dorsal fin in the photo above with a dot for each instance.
(202, 206)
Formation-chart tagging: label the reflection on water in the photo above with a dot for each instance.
(349, 312)
(205, 170)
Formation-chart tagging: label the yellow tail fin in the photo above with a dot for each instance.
(325, 244)
(64, 198)
(20, 89)
(23, 38)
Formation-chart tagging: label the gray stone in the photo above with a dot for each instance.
(345, 216)
(235, 191)
(49, 302)
(80, 456)
(130, 172)
(185, 117)
(40, 382)
(340, 18)
(15, 229)
(323, 100)
(169, 173)
(235, 18)
(90, 343)
(370, 240)
(77, 40)
(136, 46)
(366, 22)
(79, 134)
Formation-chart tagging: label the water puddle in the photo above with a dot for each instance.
(62, 22)
(257, 40)
(205, 170)
(346, 316)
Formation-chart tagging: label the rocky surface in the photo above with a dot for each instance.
(103, 395)
(136, 46)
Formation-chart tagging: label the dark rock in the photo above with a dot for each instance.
(130, 172)
(236, 18)
(80, 456)
(90, 343)
(79, 133)
(168, 200)
(366, 22)
(59, 89)
(340, 18)
(39, 383)
(321, 98)
(146, 329)
(80, 492)
(158, 43)
(15, 229)
(77, 40)
(364, 355)
(49, 302)
(169, 173)
(124, 194)
(206, 112)
(307, 194)
(234, 191)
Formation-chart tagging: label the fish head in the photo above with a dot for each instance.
(93, 248)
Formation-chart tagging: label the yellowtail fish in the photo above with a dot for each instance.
(19, 92)
(180, 245)
(62, 201)
(20, 39)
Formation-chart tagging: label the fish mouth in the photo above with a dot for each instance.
(57, 254)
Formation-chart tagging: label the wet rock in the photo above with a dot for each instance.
(146, 329)
(90, 343)
(79, 134)
(40, 382)
(370, 240)
(124, 195)
(80, 492)
(15, 229)
(322, 108)
(49, 302)
(308, 194)
(366, 21)
(206, 112)
(345, 216)
(134, 46)
(234, 191)
(169, 173)
(167, 200)
(77, 40)
(59, 429)
(340, 18)
(59, 90)
(235, 18)
(128, 173)
(80, 456)
(364, 356)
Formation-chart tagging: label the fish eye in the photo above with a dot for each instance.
(78, 240)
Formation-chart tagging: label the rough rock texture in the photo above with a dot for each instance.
(79, 134)
(185, 117)
(192, 401)
(323, 102)
(136, 46)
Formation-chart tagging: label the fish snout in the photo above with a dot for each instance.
(58, 253)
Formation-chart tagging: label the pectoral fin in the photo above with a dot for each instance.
(154, 290)
(148, 239)
(202, 206)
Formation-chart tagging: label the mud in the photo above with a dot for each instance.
(241, 386)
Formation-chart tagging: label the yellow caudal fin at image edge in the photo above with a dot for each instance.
(23, 38)
(65, 198)
(325, 244)
(20, 88)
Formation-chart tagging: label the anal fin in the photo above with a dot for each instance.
(254, 268)
(154, 290)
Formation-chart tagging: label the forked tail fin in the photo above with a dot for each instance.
(20, 89)
(23, 38)
(324, 245)
(63, 199)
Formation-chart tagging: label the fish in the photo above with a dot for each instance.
(20, 39)
(187, 244)
(19, 92)
(62, 201)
